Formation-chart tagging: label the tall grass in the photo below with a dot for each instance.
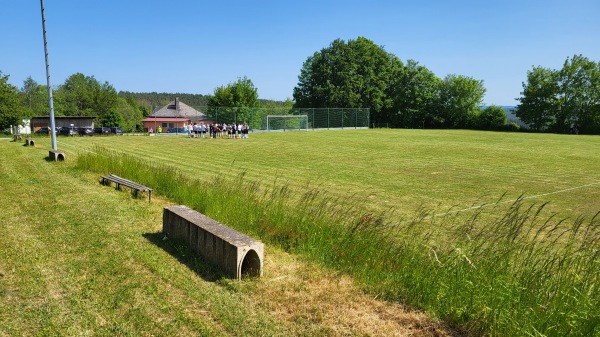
(496, 272)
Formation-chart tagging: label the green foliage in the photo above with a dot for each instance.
(359, 74)
(555, 99)
(579, 94)
(82, 95)
(11, 108)
(111, 118)
(492, 118)
(356, 74)
(35, 98)
(131, 113)
(241, 94)
(151, 101)
(416, 95)
(461, 97)
(538, 102)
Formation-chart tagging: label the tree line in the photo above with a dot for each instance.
(352, 74)
(79, 95)
(561, 100)
(360, 74)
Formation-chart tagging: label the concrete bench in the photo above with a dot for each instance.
(56, 155)
(135, 187)
(29, 142)
(237, 254)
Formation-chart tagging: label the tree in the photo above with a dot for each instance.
(461, 97)
(111, 118)
(356, 74)
(82, 95)
(131, 113)
(578, 96)
(416, 96)
(556, 99)
(34, 97)
(492, 118)
(539, 103)
(11, 109)
(78, 95)
(241, 94)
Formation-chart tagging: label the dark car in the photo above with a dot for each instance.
(43, 131)
(102, 131)
(86, 131)
(116, 131)
(67, 131)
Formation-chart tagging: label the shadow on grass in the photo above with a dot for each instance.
(184, 255)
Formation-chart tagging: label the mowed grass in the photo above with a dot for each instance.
(509, 268)
(81, 259)
(401, 170)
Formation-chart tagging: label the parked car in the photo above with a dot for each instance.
(178, 130)
(67, 131)
(86, 131)
(102, 131)
(116, 131)
(44, 131)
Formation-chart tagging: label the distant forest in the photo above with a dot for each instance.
(155, 100)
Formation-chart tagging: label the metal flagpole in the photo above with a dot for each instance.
(50, 102)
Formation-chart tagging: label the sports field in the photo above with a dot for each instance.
(81, 258)
(403, 170)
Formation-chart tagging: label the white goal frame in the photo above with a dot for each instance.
(305, 128)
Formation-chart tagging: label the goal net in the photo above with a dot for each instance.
(287, 122)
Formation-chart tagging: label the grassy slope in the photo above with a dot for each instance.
(78, 258)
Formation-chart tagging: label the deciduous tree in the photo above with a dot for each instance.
(82, 95)
(579, 93)
(492, 118)
(556, 99)
(11, 108)
(241, 94)
(461, 97)
(416, 95)
(356, 74)
(539, 103)
(35, 97)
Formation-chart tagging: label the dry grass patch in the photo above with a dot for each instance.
(316, 300)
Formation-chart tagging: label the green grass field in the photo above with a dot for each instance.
(393, 169)
(510, 268)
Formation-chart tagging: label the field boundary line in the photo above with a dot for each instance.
(78, 148)
(512, 201)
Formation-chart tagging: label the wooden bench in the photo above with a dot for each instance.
(135, 187)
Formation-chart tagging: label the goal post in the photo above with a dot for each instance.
(287, 122)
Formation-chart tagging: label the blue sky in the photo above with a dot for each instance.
(192, 46)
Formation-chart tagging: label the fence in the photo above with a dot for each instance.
(318, 118)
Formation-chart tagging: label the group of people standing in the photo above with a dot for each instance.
(217, 130)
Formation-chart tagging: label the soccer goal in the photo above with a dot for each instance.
(287, 122)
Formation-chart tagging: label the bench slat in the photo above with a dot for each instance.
(121, 181)
(126, 182)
